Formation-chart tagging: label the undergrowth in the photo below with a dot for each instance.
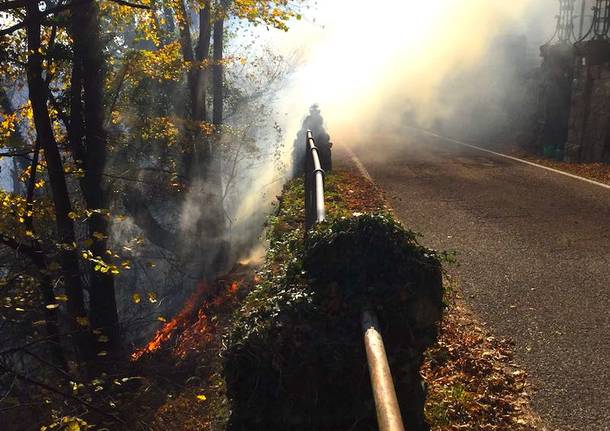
(295, 343)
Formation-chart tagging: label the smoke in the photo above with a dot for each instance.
(369, 65)
(366, 63)
(372, 66)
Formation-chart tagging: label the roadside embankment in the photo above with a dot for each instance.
(294, 357)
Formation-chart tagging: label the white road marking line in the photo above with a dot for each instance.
(361, 168)
(516, 159)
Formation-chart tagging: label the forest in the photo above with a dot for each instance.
(242, 215)
(128, 130)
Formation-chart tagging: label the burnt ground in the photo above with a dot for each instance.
(534, 253)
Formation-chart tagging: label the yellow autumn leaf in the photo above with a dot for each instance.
(161, 319)
(62, 298)
(52, 306)
(136, 298)
(99, 236)
(73, 426)
(82, 321)
(201, 397)
(152, 297)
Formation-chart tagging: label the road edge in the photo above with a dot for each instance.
(515, 159)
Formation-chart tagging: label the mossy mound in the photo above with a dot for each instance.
(294, 358)
(376, 263)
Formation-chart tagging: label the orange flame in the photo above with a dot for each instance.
(201, 333)
(195, 337)
(191, 326)
(233, 288)
(168, 330)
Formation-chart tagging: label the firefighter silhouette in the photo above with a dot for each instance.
(315, 123)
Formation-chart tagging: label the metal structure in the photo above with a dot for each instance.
(581, 27)
(384, 393)
(386, 402)
(565, 21)
(601, 20)
(565, 29)
(315, 211)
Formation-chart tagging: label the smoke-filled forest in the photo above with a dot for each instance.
(213, 210)
(128, 133)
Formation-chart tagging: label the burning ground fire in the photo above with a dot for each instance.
(191, 328)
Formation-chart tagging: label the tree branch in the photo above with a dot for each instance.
(136, 206)
(129, 4)
(23, 154)
(50, 364)
(20, 248)
(57, 9)
(29, 201)
(60, 112)
(12, 350)
(51, 11)
(60, 393)
(11, 4)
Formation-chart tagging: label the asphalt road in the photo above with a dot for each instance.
(534, 252)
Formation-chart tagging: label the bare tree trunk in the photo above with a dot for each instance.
(201, 140)
(89, 56)
(202, 54)
(186, 44)
(37, 255)
(218, 74)
(213, 171)
(39, 259)
(68, 257)
(195, 108)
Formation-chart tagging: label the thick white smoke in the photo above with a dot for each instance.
(367, 63)
(364, 60)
